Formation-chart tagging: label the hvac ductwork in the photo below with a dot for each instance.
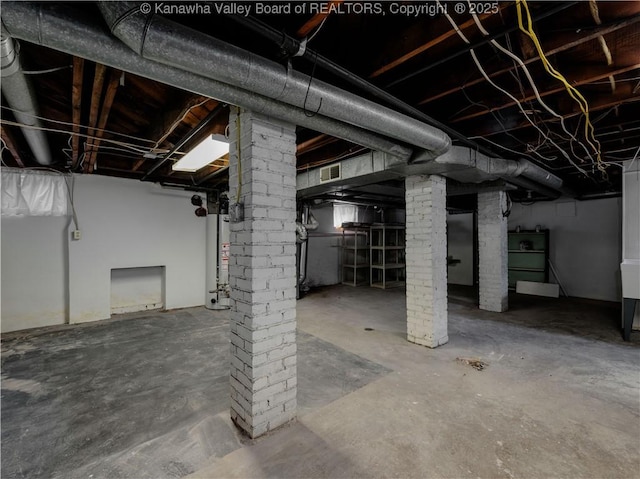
(500, 168)
(21, 98)
(53, 26)
(459, 163)
(167, 42)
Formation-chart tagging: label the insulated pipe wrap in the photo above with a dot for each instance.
(172, 44)
(535, 173)
(53, 26)
(301, 233)
(20, 96)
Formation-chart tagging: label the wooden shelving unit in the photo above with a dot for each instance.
(355, 256)
(528, 256)
(387, 256)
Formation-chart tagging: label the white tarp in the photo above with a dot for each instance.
(344, 214)
(33, 193)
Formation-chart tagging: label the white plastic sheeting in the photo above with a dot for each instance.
(344, 214)
(33, 193)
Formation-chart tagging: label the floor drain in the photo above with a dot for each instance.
(368, 329)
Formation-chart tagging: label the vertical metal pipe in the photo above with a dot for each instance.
(20, 96)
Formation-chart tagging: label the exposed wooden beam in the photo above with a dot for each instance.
(94, 109)
(526, 46)
(338, 150)
(315, 143)
(7, 137)
(578, 77)
(110, 95)
(426, 46)
(623, 95)
(166, 124)
(205, 127)
(214, 169)
(138, 164)
(172, 119)
(560, 43)
(169, 119)
(76, 104)
(317, 19)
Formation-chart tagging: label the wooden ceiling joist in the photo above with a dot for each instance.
(167, 123)
(94, 108)
(624, 94)
(426, 46)
(317, 19)
(7, 137)
(177, 115)
(109, 97)
(559, 43)
(314, 143)
(76, 107)
(138, 164)
(582, 76)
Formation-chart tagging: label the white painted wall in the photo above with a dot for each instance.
(324, 265)
(460, 247)
(129, 224)
(124, 224)
(34, 271)
(585, 243)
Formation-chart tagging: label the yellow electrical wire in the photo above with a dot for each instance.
(589, 130)
(239, 150)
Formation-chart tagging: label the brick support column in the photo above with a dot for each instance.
(492, 251)
(262, 273)
(426, 251)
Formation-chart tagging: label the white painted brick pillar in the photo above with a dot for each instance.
(492, 251)
(426, 259)
(262, 273)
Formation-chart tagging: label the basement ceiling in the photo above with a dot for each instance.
(99, 120)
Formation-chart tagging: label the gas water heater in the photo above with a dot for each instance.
(217, 281)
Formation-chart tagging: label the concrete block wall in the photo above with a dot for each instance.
(492, 251)
(426, 263)
(262, 273)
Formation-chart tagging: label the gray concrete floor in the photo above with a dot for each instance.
(147, 397)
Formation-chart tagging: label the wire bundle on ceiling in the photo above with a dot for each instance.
(589, 130)
(573, 92)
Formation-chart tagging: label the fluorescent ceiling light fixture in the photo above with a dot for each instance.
(200, 156)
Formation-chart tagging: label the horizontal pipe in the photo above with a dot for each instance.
(53, 26)
(506, 169)
(292, 46)
(165, 41)
(535, 173)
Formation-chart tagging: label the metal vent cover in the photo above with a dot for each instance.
(330, 173)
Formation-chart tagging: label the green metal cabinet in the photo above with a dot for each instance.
(528, 256)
